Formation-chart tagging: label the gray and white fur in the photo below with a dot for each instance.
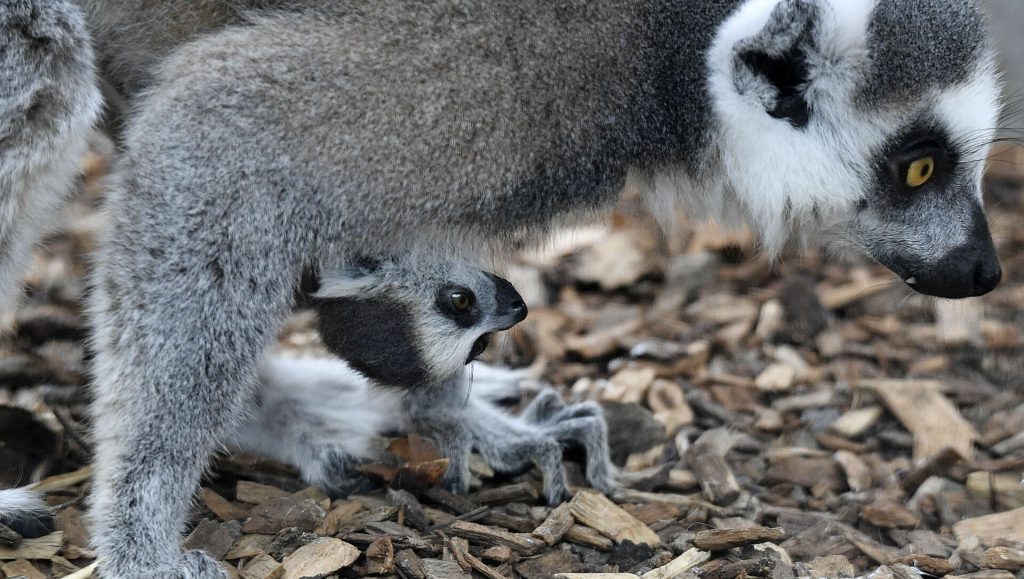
(281, 134)
(405, 350)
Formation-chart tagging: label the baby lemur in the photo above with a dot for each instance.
(264, 136)
(396, 323)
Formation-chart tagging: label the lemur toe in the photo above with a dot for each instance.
(455, 482)
(590, 433)
(547, 404)
(337, 473)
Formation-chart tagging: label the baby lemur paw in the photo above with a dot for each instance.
(537, 437)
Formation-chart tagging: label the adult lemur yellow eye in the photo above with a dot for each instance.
(920, 171)
(462, 301)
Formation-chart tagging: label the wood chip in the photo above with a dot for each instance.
(71, 522)
(775, 378)
(262, 566)
(21, 569)
(438, 569)
(1001, 489)
(832, 566)
(1003, 558)
(858, 473)
(707, 460)
(341, 513)
(491, 536)
(213, 537)
(889, 515)
(584, 535)
(319, 558)
(42, 548)
(556, 525)
(630, 384)
(933, 420)
(223, 508)
(854, 423)
(679, 565)
(519, 492)
(668, 402)
(256, 493)
(931, 565)
(380, 558)
(284, 512)
(249, 546)
(1007, 526)
(409, 564)
(596, 511)
(984, 574)
(595, 576)
(723, 539)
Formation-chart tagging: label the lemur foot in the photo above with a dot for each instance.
(192, 565)
(511, 443)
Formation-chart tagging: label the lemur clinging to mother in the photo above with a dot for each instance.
(266, 135)
(406, 328)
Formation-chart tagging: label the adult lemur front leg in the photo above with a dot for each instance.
(460, 422)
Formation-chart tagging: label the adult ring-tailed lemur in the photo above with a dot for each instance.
(268, 135)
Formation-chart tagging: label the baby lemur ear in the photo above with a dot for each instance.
(772, 65)
(350, 281)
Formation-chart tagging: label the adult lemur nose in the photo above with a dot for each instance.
(970, 270)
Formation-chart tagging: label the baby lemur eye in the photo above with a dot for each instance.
(920, 171)
(462, 300)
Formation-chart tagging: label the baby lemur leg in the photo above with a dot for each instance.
(460, 422)
(318, 415)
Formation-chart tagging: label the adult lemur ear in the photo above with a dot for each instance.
(772, 66)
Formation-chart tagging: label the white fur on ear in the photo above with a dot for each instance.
(811, 185)
(347, 283)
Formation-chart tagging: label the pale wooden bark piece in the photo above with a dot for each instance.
(597, 512)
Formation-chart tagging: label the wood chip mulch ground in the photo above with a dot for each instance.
(803, 419)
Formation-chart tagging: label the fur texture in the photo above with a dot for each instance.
(48, 103)
(320, 415)
(268, 136)
(24, 512)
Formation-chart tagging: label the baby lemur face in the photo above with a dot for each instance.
(413, 321)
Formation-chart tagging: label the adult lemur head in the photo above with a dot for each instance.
(415, 320)
(859, 123)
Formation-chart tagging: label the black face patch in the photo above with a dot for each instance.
(922, 139)
(466, 318)
(374, 338)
